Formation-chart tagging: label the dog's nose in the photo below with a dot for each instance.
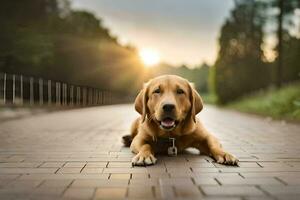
(168, 107)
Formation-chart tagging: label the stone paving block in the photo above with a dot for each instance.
(149, 182)
(56, 183)
(273, 164)
(289, 180)
(165, 192)
(24, 184)
(200, 164)
(75, 164)
(100, 183)
(4, 183)
(287, 197)
(258, 170)
(79, 193)
(179, 170)
(20, 164)
(181, 174)
(260, 198)
(8, 176)
(120, 176)
(282, 190)
(185, 191)
(215, 175)
(52, 164)
(249, 181)
(58, 191)
(140, 192)
(270, 174)
(16, 191)
(96, 164)
(232, 191)
(119, 164)
(68, 170)
(205, 181)
(63, 176)
(140, 176)
(12, 170)
(159, 175)
(201, 170)
(111, 193)
(92, 170)
(175, 181)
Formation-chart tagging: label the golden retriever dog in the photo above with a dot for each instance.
(168, 106)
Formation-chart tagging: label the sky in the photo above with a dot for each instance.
(181, 31)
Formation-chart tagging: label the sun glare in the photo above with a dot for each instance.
(150, 57)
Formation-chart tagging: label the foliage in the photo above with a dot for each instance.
(283, 103)
(47, 39)
(239, 67)
(197, 75)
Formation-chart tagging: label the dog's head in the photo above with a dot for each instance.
(168, 101)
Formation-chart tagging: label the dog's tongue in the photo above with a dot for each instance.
(168, 122)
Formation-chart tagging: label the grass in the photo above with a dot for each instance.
(278, 104)
(209, 98)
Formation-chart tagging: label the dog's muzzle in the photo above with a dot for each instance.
(168, 123)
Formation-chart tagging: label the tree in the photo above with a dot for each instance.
(283, 19)
(46, 38)
(239, 68)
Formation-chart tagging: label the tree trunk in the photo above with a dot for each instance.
(279, 47)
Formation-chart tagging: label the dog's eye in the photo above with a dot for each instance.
(157, 91)
(180, 91)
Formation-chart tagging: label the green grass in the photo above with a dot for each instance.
(278, 104)
(209, 98)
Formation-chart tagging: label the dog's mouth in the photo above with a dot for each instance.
(168, 123)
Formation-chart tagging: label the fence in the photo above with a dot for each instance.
(20, 90)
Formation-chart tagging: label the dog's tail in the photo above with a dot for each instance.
(127, 139)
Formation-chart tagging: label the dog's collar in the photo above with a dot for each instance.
(171, 141)
(172, 150)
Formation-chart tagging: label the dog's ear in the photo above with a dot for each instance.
(140, 103)
(196, 102)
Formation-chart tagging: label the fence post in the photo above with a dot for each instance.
(96, 96)
(14, 89)
(77, 96)
(66, 94)
(71, 95)
(31, 91)
(41, 96)
(21, 90)
(49, 92)
(63, 94)
(4, 89)
(57, 92)
(83, 96)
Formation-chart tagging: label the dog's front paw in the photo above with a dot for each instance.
(226, 158)
(143, 159)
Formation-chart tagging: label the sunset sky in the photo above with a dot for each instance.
(181, 31)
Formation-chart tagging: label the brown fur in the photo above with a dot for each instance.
(189, 131)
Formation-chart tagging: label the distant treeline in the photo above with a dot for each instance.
(48, 39)
(241, 66)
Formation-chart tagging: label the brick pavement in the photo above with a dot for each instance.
(78, 154)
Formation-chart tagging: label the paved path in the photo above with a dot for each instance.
(78, 154)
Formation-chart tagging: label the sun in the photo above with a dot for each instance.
(150, 57)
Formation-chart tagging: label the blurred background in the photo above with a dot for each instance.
(241, 54)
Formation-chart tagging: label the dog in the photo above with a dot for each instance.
(168, 106)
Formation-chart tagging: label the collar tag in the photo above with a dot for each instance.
(172, 150)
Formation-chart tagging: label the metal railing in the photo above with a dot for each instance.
(21, 90)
